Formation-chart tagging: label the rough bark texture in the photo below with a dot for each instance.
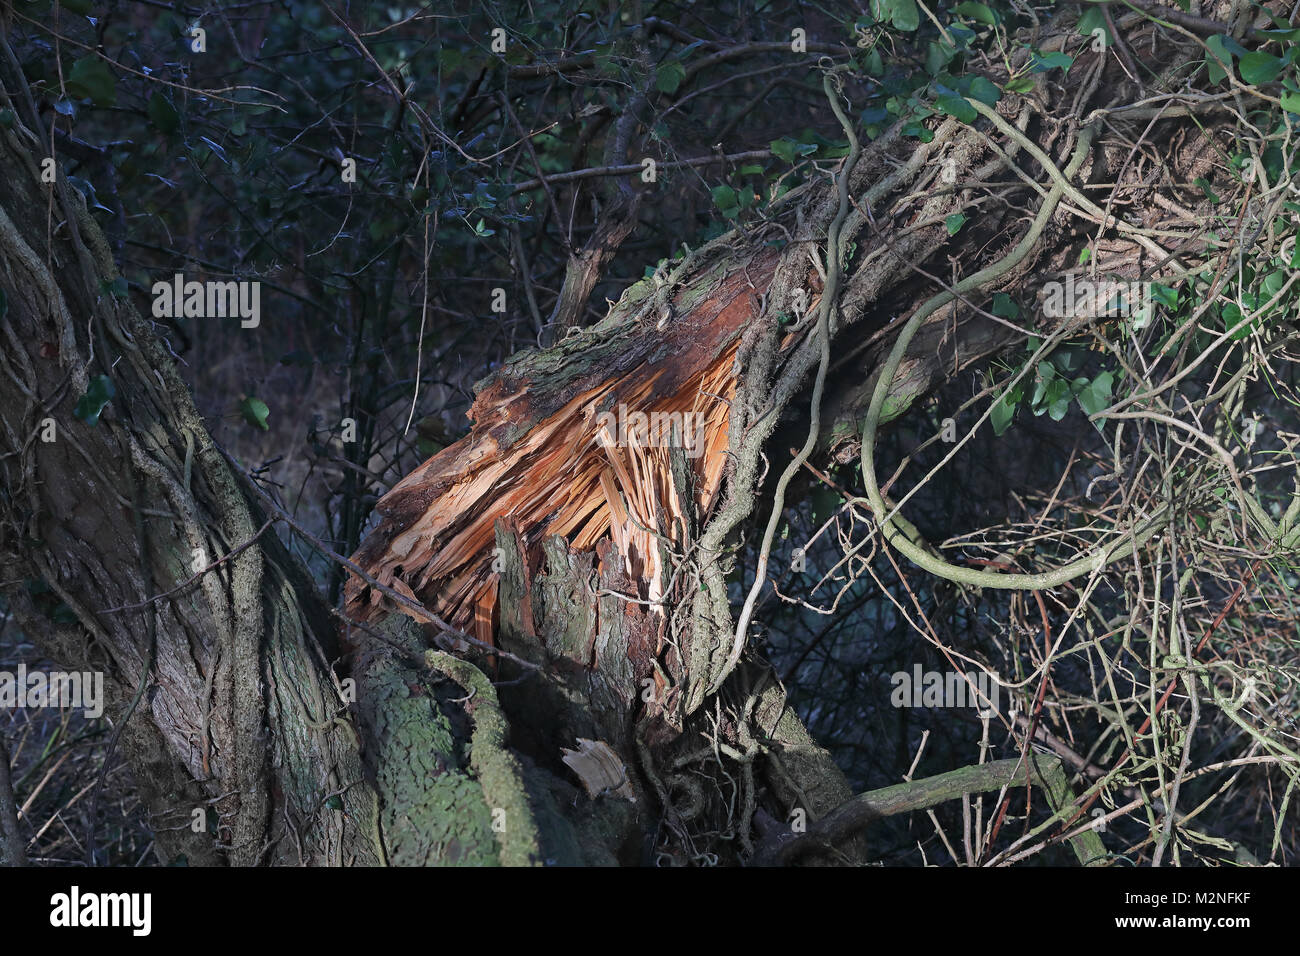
(132, 546)
(534, 534)
(567, 553)
(101, 520)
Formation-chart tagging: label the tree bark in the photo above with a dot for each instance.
(133, 546)
(605, 564)
(594, 572)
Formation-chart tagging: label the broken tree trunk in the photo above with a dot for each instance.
(605, 563)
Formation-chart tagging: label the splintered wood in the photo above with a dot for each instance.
(578, 441)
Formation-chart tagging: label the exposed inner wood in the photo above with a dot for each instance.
(557, 448)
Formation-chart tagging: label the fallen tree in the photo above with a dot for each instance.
(557, 596)
(604, 564)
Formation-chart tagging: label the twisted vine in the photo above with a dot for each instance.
(900, 532)
(833, 85)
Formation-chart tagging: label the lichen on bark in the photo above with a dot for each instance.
(433, 812)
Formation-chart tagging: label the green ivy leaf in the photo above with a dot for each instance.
(1257, 68)
(255, 412)
(1095, 395)
(1004, 306)
(1041, 63)
(921, 132)
(1043, 383)
(956, 106)
(1232, 317)
(978, 12)
(1059, 396)
(1217, 70)
(1002, 414)
(1273, 283)
(669, 76)
(1068, 359)
(99, 392)
(91, 79)
(1092, 21)
(903, 14)
(1021, 84)
(163, 114)
(985, 91)
(937, 56)
(1164, 295)
(962, 35)
(788, 150)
